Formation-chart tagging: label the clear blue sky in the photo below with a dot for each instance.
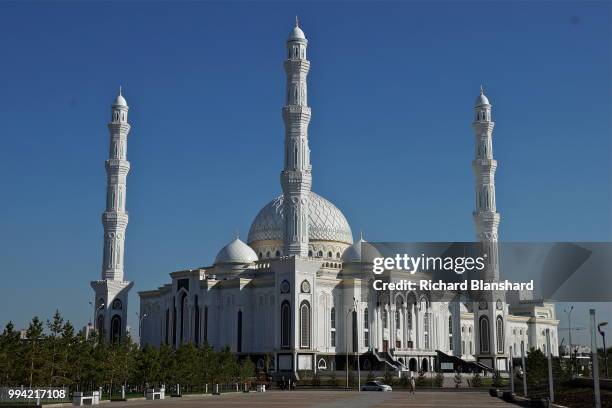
(391, 87)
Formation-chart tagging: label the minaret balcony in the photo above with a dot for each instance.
(117, 166)
(297, 66)
(116, 127)
(296, 114)
(115, 219)
(484, 165)
(483, 127)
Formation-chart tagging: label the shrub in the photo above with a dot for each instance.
(421, 381)
(438, 380)
(388, 378)
(351, 379)
(316, 380)
(333, 380)
(497, 379)
(477, 380)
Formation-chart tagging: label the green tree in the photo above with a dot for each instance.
(166, 364)
(147, 371)
(537, 372)
(54, 349)
(10, 356)
(247, 370)
(35, 355)
(185, 368)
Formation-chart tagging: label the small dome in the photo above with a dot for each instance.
(357, 253)
(236, 252)
(296, 34)
(120, 100)
(482, 99)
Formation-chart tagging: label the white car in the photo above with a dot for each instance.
(376, 386)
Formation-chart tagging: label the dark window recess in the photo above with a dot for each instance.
(182, 283)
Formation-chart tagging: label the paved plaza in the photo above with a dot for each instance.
(328, 399)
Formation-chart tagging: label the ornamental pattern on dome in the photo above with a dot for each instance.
(326, 222)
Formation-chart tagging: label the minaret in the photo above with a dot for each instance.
(486, 217)
(111, 291)
(296, 178)
(490, 309)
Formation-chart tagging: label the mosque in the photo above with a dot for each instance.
(291, 297)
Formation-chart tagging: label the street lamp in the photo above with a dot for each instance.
(603, 336)
(96, 310)
(140, 319)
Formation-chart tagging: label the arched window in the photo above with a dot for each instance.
(117, 305)
(205, 324)
(332, 325)
(167, 334)
(277, 254)
(410, 318)
(320, 254)
(305, 324)
(450, 332)
(366, 328)
(484, 334)
(322, 364)
(285, 324)
(196, 320)
(426, 329)
(268, 254)
(239, 339)
(310, 253)
(338, 255)
(385, 319)
(115, 328)
(329, 254)
(184, 318)
(500, 334)
(100, 325)
(398, 319)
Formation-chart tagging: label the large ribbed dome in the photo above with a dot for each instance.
(327, 223)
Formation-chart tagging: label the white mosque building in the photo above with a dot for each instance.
(293, 294)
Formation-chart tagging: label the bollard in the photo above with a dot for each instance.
(206, 389)
(217, 389)
(178, 389)
(123, 392)
(236, 387)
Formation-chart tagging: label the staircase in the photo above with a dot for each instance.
(386, 357)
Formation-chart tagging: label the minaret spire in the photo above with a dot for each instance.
(111, 290)
(296, 178)
(490, 309)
